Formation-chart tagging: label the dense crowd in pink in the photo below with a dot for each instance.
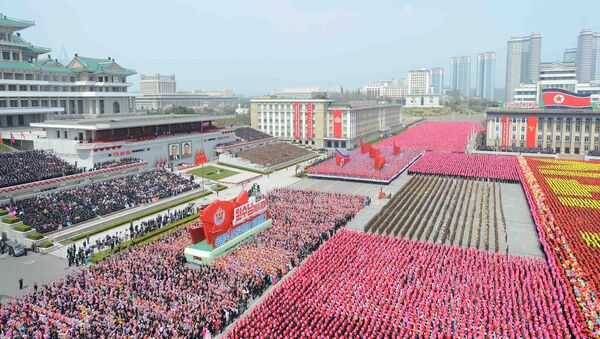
(435, 136)
(361, 165)
(502, 167)
(361, 285)
(149, 292)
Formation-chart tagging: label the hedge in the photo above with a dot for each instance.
(136, 217)
(11, 220)
(244, 168)
(143, 239)
(35, 235)
(3, 212)
(46, 244)
(220, 188)
(22, 228)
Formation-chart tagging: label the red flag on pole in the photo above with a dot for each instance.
(12, 138)
(396, 149)
(1, 142)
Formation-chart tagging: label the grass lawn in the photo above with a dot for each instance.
(6, 149)
(210, 172)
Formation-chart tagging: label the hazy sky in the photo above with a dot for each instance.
(255, 46)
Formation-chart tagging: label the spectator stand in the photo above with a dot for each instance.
(525, 152)
(50, 184)
(268, 158)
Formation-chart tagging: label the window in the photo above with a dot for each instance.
(58, 134)
(65, 134)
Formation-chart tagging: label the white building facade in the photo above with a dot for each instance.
(34, 88)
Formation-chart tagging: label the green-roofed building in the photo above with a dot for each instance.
(35, 87)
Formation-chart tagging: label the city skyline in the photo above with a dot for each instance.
(298, 44)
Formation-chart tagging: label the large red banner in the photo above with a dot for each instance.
(337, 123)
(531, 131)
(505, 130)
(565, 99)
(296, 120)
(309, 121)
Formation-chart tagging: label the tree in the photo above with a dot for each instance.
(178, 110)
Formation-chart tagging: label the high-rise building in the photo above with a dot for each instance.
(523, 56)
(570, 55)
(460, 75)
(588, 56)
(437, 80)
(486, 75)
(157, 84)
(419, 81)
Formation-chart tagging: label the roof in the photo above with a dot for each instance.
(498, 110)
(30, 48)
(44, 65)
(95, 65)
(128, 121)
(15, 23)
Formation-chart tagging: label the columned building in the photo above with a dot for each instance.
(34, 87)
(319, 122)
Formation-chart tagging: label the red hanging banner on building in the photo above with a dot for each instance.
(337, 123)
(531, 131)
(308, 116)
(505, 130)
(296, 120)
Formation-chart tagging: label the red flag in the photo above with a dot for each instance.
(560, 98)
(531, 131)
(12, 138)
(378, 162)
(341, 160)
(363, 147)
(396, 149)
(1, 142)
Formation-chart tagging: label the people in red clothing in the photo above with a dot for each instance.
(362, 285)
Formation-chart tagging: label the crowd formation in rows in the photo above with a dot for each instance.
(361, 165)
(565, 204)
(466, 165)
(150, 292)
(361, 285)
(250, 134)
(515, 149)
(115, 163)
(273, 154)
(69, 207)
(18, 168)
(435, 136)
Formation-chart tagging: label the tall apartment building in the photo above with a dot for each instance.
(157, 84)
(419, 81)
(486, 75)
(437, 80)
(523, 58)
(460, 75)
(570, 55)
(588, 56)
(34, 88)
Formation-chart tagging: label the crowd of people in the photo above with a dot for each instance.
(273, 154)
(562, 195)
(361, 165)
(82, 255)
(362, 285)
(114, 163)
(250, 134)
(66, 208)
(435, 136)
(467, 165)
(515, 149)
(18, 168)
(150, 292)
